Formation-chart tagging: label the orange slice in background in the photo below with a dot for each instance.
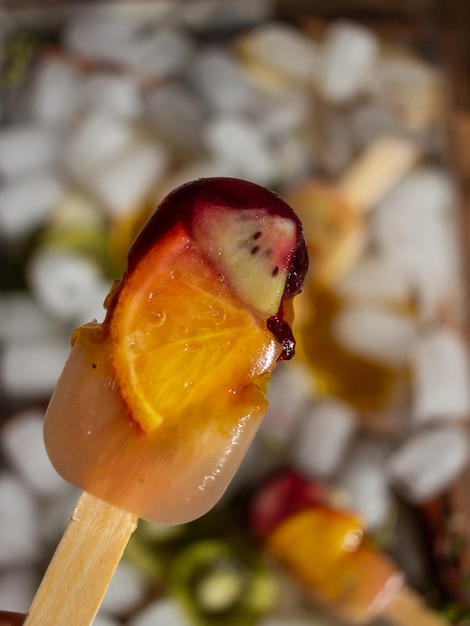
(314, 542)
(183, 345)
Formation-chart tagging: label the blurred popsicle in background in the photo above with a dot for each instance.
(334, 215)
(344, 570)
(337, 232)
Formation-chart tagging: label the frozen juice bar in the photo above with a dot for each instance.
(335, 220)
(334, 216)
(327, 549)
(157, 405)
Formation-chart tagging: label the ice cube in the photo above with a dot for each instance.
(26, 148)
(17, 589)
(284, 49)
(127, 182)
(57, 92)
(284, 119)
(125, 592)
(441, 376)
(410, 87)
(54, 515)
(333, 147)
(376, 280)
(93, 308)
(178, 114)
(370, 121)
(288, 393)
(165, 611)
(113, 94)
(426, 463)
(213, 16)
(160, 53)
(414, 227)
(31, 369)
(23, 445)
(22, 319)
(28, 202)
(203, 168)
(84, 155)
(350, 53)
(218, 77)
(365, 481)
(64, 283)
(100, 35)
(131, 43)
(239, 143)
(428, 191)
(279, 115)
(374, 332)
(18, 539)
(105, 620)
(322, 437)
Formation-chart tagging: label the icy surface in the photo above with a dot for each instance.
(364, 478)
(126, 590)
(18, 540)
(23, 444)
(28, 202)
(375, 333)
(426, 463)
(349, 55)
(17, 589)
(63, 283)
(161, 611)
(31, 369)
(322, 438)
(441, 376)
(27, 148)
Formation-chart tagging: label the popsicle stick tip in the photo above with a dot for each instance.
(408, 607)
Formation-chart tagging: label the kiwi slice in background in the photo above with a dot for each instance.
(221, 585)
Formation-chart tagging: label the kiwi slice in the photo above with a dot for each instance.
(253, 249)
(219, 585)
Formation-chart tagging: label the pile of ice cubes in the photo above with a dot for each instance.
(128, 102)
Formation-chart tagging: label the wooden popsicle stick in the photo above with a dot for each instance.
(379, 168)
(367, 180)
(407, 608)
(83, 564)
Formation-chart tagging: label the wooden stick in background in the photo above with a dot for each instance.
(408, 608)
(377, 170)
(334, 215)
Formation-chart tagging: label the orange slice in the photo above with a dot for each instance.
(183, 345)
(315, 541)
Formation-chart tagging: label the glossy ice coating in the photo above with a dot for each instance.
(325, 549)
(175, 468)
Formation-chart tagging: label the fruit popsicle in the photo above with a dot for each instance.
(157, 405)
(334, 215)
(326, 549)
(334, 219)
